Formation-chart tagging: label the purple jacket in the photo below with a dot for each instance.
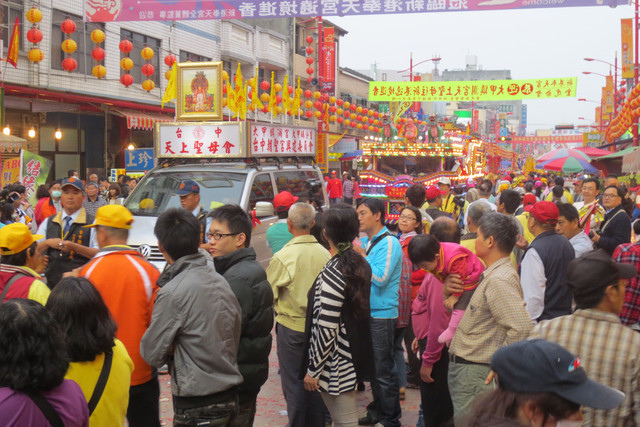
(430, 317)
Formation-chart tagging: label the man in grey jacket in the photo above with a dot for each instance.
(195, 327)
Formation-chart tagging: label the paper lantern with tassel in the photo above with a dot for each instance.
(35, 55)
(99, 71)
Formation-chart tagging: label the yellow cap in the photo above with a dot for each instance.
(15, 238)
(116, 216)
(147, 204)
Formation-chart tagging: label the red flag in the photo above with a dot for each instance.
(14, 45)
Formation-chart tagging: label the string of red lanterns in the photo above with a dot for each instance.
(34, 35)
(147, 69)
(68, 45)
(126, 63)
(98, 54)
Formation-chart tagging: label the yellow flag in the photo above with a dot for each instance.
(14, 45)
(286, 100)
(231, 98)
(272, 99)
(170, 92)
(295, 104)
(255, 96)
(241, 94)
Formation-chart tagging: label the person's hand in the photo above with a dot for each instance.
(310, 383)
(492, 376)
(53, 243)
(452, 285)
(360, 250)
(415, 345)
(522, 243)
(425, 374)
(595, 238)
(206, 247)
(450, 302)
(64, 245)
(73, 273)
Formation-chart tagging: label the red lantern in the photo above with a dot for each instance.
(278, 99)
(147, 69)
(332, 109)
(125, 47)
(365, 127)
(169, 60)
(365, 111)
(68, 26)
(353, 124)
(69, 64)
(307, 93)
(308, 114)
(290, 89)
(34, 35)
(359, 118)
(309, 39)
(310, 70)
(224, 89)
(126, 79)
(309, 50)
(309, 60)
(265, 109)
(325, 97)
(353, 107)
(317, 105)
(371, 120)
(339, 101)
(340, 119)
(98, 53)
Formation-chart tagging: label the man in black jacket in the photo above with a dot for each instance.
(616, 227)
(229, 236)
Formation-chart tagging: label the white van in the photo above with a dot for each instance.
(246, 177)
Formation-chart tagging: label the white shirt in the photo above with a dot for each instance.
(581, 243)
(533, 282)
(93, 242)
(494, 208)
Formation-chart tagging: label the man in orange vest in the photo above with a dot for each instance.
(127, 283)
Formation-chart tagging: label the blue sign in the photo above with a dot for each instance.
(139, 160)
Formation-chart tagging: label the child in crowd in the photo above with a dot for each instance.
(442, 259)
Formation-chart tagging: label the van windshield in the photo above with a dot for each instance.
(156, 193)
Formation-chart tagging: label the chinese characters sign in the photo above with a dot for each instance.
(565, 139)
(206, 139)
(481, 90)
(34, 170)
(627, 48)
(274, 140)
(322, 158)
(140, 159)
(328, 66)
(160, 10)
(10, 171)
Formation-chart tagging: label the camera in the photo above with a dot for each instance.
(459, 201)
(593, 233)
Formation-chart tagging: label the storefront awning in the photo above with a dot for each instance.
(11, 143)
(140, 120)
(352, 155)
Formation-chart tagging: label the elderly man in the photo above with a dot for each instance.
(616, 227)
(496, 316)
(189, 193)
(433, 204)
(291, 273)
(67, 243)
(474, 214)
(544, 264)
(569, 226)
(384, 255)
(94, 200)
(607, 349)
(127, 284)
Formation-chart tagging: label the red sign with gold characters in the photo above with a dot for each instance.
(270, 140)
(481, 90)
(329, 62)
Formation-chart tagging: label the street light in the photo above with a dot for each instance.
(411, 64)
(605, 62)
(597, 74)
(601, 108)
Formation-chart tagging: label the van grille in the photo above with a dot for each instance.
(150, 252)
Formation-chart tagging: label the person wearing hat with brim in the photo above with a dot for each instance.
(433, 204)
(448, 204)
(541, 384)
(21, 264)
(543, 267)
(278, 233)
(127, 283)
(189, 193)
(66, 242)
(608, 349)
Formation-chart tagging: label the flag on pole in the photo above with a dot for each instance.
(295, 104)
(286, 99)
(231, 98)
(255, 96)
(325, 116)
(241, 94)
(272, 98)
(14, 44)
(170, 91)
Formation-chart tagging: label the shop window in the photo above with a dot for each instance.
(12, 9)
(140, 41)
(192, 57)
(82, 36)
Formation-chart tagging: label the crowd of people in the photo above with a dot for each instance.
(506, 303)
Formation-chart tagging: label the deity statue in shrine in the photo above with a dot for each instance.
(389, 130)
(434, 132)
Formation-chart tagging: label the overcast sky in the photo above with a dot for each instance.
(535, 43)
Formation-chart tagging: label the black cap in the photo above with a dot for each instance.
(539, 366)
(596, 270)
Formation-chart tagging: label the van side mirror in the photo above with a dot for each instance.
(264, 209)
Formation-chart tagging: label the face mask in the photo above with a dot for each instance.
(567, 423)
(56, 194)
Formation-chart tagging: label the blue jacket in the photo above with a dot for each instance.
(385, 260)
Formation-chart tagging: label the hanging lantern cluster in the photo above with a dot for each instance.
(98, 54)
(126, 63)
(68, 45)
(627, 113)
(147, 69)
(169, 60)
(34, 35)
(309, 52)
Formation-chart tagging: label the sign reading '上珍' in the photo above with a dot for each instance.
(481, 90)
(161, 10)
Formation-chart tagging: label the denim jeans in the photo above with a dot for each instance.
(385, 407)
(398, 356)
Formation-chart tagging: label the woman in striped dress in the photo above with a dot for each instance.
(337, 329)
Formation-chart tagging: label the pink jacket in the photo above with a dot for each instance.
(456, 259)
(430, 317)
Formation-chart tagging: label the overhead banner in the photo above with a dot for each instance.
(627, 48)
(480, 90)
(162, 10)
(329, 62)
(564, 139)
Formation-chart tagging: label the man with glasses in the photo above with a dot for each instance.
(616, 227)
(291, 272)
(229, 237)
